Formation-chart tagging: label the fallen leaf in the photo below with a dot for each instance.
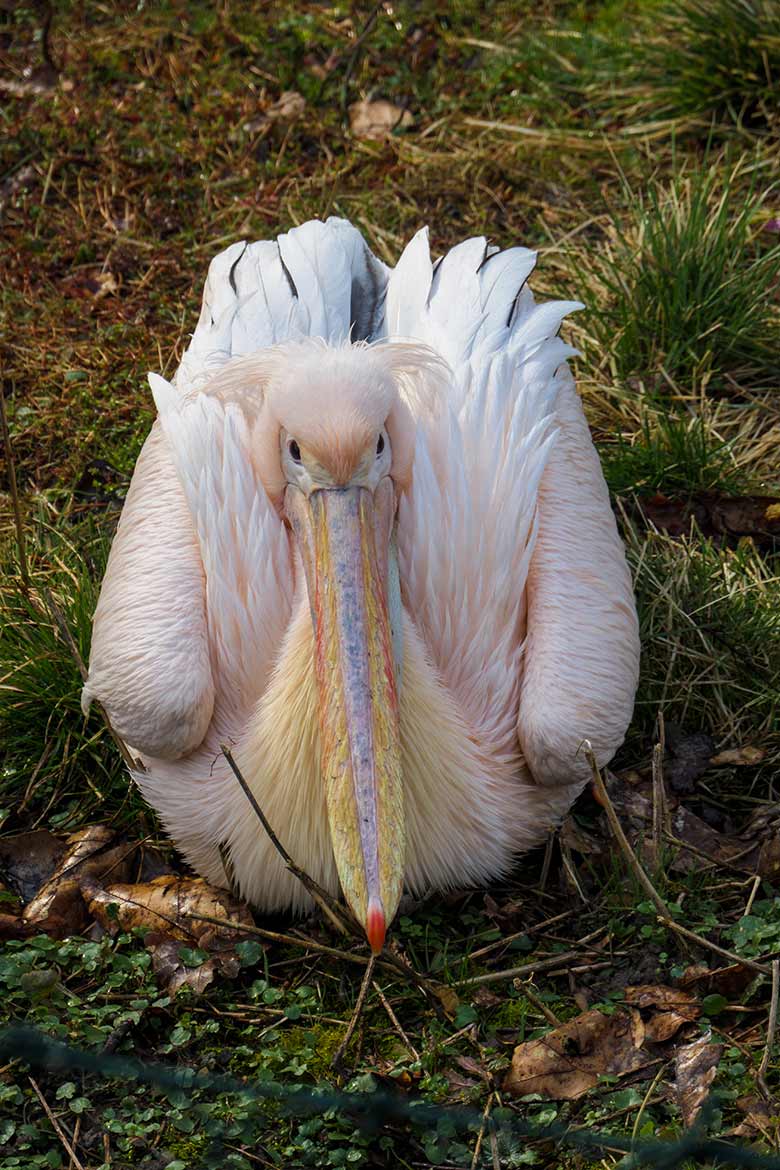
(58, 907)
(29, 859)
(740, 757)
(378, 119)
(729, 981)
(169, 905)
(650, 995)
(695, 1067)
(448, 998)
(761, 1118)
(289, 106)
(171, 970)
(568, 1061)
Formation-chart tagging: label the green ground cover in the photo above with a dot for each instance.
(636, 146)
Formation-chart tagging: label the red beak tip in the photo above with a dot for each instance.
(376, 927)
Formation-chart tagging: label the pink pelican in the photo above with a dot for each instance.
(369, 545)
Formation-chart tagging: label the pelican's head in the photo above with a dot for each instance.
(333, 443)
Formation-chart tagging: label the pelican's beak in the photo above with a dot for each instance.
(344, 538)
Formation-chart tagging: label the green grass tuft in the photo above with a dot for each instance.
(673, 453)
(690, 286)
(56, 764)
(717, 60)
(710, 627)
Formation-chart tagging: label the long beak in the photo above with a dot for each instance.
(344, 535)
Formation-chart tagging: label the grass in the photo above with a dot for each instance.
(690, 283)
(633, 143)
(717, 61)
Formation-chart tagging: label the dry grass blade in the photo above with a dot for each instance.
(11, 465)
(72, 1155)
(338, 1059)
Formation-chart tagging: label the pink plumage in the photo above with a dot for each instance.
(510, 604)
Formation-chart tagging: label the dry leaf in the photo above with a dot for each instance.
(448, 998)
(171, 970)
(760, 1118)
(695, 1067)
(287, 108)
(58, 908)
(169, 905)
(29, 859)
(740, 757)
(665, 999)
(377, 119)
(569, 1060)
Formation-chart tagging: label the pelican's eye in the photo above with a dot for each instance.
(295, 451)
(380, 444)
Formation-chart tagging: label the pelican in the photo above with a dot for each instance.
(367, 544)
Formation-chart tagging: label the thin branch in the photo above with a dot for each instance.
(56, 1126)
(286, 939)
(361, 999)
(664, 915)
(771, 1029)
(621, 838)
(394, 1021)
(546, 964)
(21, 547)
(326, 903)
(711, 946)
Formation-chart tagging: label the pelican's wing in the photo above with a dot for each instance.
(149, 663)
(508, 526)
(318, 280)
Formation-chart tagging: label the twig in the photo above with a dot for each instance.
(752, 896)
(545, 964)
(326, 903)
(481, 1134)
(361, 999)
(705, 942)
(660, 815)
(11, 465)
(286, 939)
(56, 1126)
(663, 915)
(394, 1021)
(534, 1000)
(621, 838)
(354, 57)
(771, 1029)
(499, 942)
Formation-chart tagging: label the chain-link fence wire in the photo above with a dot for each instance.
(375, 1111)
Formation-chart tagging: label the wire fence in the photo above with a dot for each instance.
(375, 1111)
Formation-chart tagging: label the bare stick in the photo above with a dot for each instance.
(9, 459)
(711, 946)
(481, 1134)
(771, 1029)
(286, 939)
(508, 938)
(56, 1126)
(619, 835)
(545, 964)
(659, 802)
(394, 1020)
(534, 1000)
(326, 903)
(361, 999)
